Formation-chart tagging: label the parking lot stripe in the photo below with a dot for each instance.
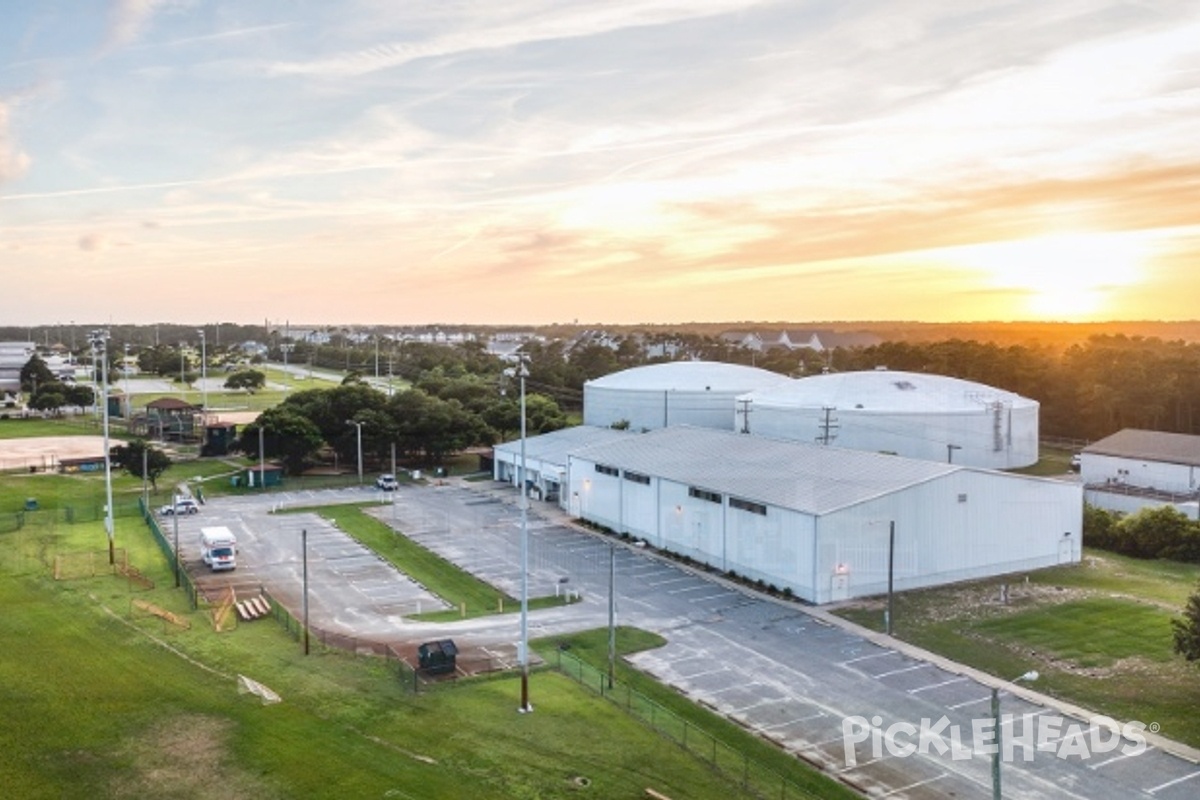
(898, 671)
(873, 655)
(700, 587)
(1162, 786)
(969, 703)
(1149, 747)
(817, 715)
(914, 785)
(959, 679)
(712, 596)
(670, 580)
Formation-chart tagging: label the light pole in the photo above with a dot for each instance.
(950, 448)
(286, 348)
(1030, 676)
(891, 607)
(358, 433)
(125, 380)
(203, 373)
(524, 647)
(99, 341)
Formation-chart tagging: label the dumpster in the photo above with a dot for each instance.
(436, 658)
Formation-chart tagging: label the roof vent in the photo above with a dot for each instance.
(904, 386)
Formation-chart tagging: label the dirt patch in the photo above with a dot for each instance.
(45, 452)
(187, 756)
(975, 601)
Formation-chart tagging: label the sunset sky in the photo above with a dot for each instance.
(531, 161)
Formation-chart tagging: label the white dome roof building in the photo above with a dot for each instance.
(930, 417)
(698, 393)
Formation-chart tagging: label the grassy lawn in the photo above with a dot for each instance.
(1099, 633)
(435, 573)
(1052, 462)
(97, 706)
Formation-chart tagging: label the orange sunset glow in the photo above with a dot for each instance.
(639, 161)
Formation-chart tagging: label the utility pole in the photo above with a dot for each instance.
(304, 565)
(891, 607)
(175, 523)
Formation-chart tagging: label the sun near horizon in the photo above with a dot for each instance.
(1076, 276)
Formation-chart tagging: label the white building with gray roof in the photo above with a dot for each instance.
(1135, 469)
(816, 520)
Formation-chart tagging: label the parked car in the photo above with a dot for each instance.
(387, 482)
(1076, 462)
(183, 505)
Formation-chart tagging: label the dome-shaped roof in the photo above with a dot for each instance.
(885, 391)
(691, 376)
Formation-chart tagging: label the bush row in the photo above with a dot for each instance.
(1150, 533)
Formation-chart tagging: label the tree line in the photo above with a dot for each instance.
(442, 414)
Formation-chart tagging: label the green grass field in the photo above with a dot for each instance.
(102, 701)
(1099, 634)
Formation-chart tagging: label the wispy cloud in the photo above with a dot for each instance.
(127, 19)
(13, 160)
(507, 26)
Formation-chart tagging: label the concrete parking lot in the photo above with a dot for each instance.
(791, 673)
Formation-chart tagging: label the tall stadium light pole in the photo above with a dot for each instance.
(524, 654)
(203, 372)
(286, 348)
(99, 342)
(358, 434)
(125, 380)
(1030, 676)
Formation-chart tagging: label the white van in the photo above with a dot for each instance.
(218, 548)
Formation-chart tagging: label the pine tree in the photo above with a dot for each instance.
(1187, 629)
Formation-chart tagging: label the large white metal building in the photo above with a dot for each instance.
(930, 417)
(816, 520)
(701, 393)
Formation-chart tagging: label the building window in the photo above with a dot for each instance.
(603, 470)
(637, 477)
(702, 494)
(746, 505)
(962, 498)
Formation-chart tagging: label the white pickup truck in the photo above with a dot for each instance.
(218, 548)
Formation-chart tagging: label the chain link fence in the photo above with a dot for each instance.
(755, 778)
